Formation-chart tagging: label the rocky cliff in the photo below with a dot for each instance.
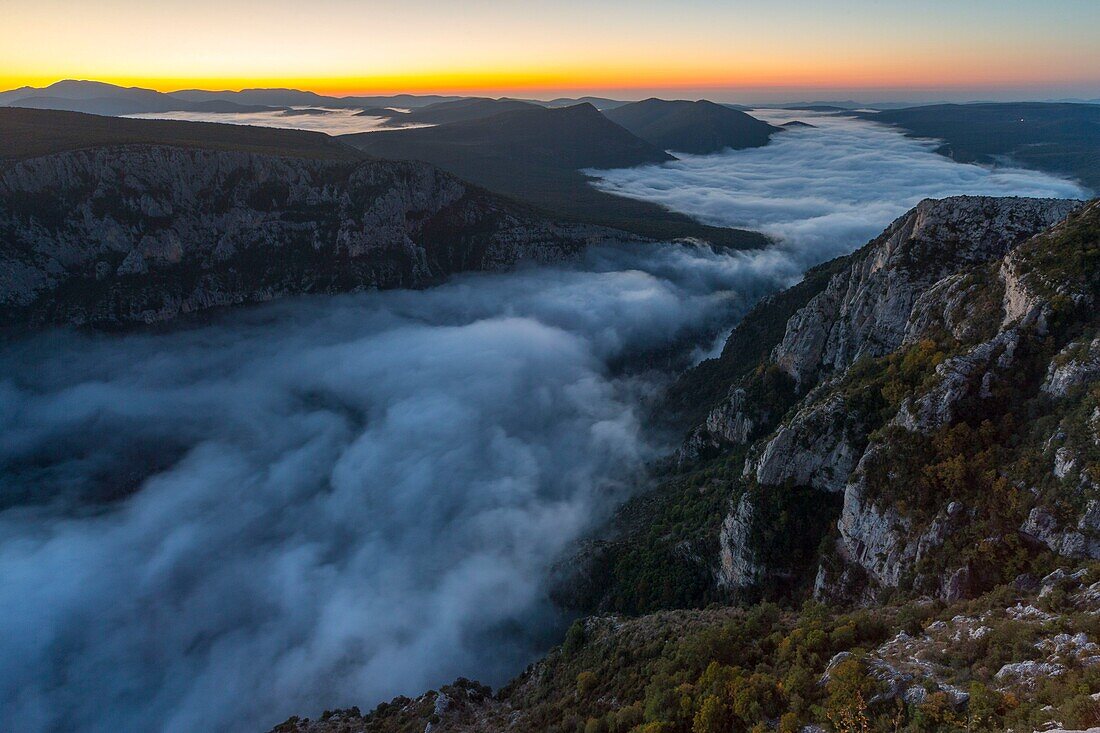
(945, 389)
(144, 233)
(910, 455)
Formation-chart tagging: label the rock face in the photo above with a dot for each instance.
(737, 566)
(865, 311)
(144, 233)
(1076, 365)
(947, 317)
(814, 448)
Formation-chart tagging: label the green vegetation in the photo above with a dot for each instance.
(763, 668)
(662, 542)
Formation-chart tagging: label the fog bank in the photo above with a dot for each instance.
(322, 502)
(825, 190)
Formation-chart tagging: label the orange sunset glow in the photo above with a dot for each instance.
(494, 48)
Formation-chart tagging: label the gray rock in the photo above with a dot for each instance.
(1077, 364)
(221, 228)
(738, 567)
(865, 311)
(814, 449)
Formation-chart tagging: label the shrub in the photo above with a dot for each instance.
(574, 638)
(586, 683)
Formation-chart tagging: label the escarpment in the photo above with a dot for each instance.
(126, 234)
(942, 387)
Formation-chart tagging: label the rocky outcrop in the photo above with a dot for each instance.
(970, 375)
(144, 233)
(931, 295)
(874, 537)
(865, 311)
(1075, 365)
(727, 424)
(1080, 540)
(737, 565)
(818, 447)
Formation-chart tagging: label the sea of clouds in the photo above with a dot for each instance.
(328, 501)
(325, 501)
(821, 191)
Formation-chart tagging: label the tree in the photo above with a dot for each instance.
(712, 717)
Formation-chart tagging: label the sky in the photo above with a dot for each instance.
(728, 50)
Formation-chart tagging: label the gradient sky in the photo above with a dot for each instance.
(736, 49)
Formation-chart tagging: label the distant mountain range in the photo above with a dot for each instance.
(109, 99)
(534, 151)
(691, 127)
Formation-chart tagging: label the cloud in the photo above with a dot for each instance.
(821, 191)
(329, 501)
(325, 501)
(332, 121)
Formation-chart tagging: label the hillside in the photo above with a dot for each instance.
(534, 155)
(110, 222)
(459, 110)
(906, 446)
(1021, 661)
(691, 127)
(1058, 138)
(28, 133)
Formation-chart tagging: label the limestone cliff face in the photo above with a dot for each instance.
(118, 235)
(960, 309)
(866, 310)
(817, 447)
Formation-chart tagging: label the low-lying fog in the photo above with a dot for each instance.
(822, 190)
(315, 119)
(328, 501)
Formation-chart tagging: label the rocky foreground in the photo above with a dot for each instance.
(905, 447)
(124, 234)
(992, 663)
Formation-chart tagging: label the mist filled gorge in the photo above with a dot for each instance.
(336, 499)
(364, 491)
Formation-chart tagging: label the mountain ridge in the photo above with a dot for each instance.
(536, 155)
(142, 221)
(692, 127)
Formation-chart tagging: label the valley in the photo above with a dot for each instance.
(403, 413)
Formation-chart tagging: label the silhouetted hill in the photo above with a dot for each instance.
(1059, 138)
(459, 110)
(536, 154)
(297, 97)
(98, 98)
(27, 133)
(691, 127)
(600, 103)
